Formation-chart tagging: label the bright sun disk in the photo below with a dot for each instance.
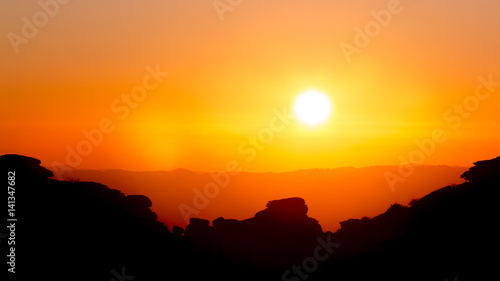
(312, 107)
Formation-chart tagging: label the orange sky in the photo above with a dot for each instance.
(227, 78)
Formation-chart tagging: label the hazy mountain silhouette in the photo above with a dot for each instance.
(333, 195)
(87, 231)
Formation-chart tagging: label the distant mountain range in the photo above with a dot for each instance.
(333, 195)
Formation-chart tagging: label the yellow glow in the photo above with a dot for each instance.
(312, 107)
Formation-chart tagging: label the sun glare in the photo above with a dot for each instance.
(312, 107)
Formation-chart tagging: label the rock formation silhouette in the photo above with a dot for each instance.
(274, 238)
(87, 231)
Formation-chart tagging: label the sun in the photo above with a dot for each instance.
(312, 107)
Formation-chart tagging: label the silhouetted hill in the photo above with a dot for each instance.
(77, 230)
(87, 231)
(449, 232)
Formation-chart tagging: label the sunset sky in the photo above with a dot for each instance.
(234, 70)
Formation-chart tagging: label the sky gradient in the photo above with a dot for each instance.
(231, 74)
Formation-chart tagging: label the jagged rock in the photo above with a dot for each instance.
(30, 167)
(140, 201)
(197, 228)
(177, 231)
(483, 170)
(290, 208)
